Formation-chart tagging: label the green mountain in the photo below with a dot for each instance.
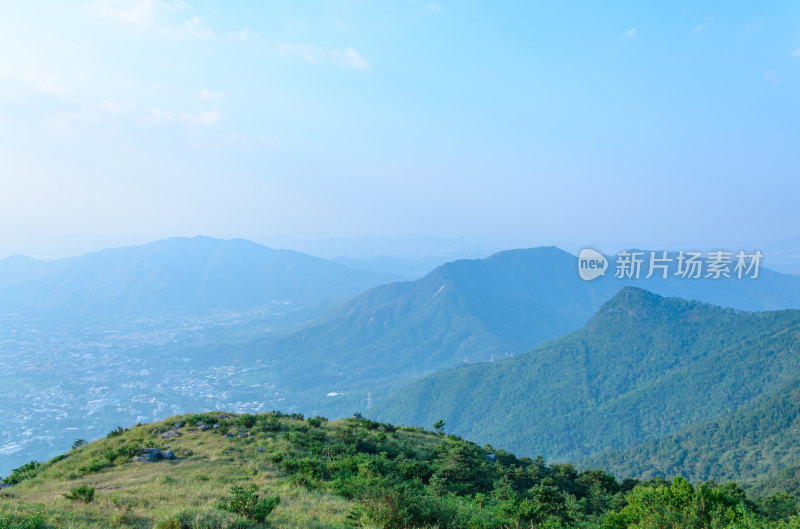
(463, 311)
(190, 275)
(227, 471)
(643, 367)
(755, 443)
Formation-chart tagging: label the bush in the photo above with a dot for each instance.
(78, 443)
(400, 509)
(205, 418)
(116, 432)
(95, 465)
(245, 501)
(26, 471)
(82, 494)
(272, 424)
(248, 420)
(193, 519)
(316, 422)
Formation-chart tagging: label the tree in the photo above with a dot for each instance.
(439, 426)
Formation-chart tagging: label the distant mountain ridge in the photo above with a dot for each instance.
(466, 310)
(463, 311)
(191, 275)
(644, 366)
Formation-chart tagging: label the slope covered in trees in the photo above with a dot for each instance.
(754, 444)
(469, 310)
(643, 367)
(463, 311)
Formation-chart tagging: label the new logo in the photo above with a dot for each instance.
(591, 264)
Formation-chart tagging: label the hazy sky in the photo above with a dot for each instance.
(508, 124)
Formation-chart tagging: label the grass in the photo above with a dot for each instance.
(274, 470)
(144, 495)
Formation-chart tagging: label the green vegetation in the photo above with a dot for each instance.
(116, 432)
(21, 473)
(394, 333)
(757, 445)
(245, 501)
(680, 505)
(284, 471)
(438, 427)
(83, 494)
(643, 367)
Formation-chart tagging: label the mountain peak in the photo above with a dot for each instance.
(632, 297)
(637, 304)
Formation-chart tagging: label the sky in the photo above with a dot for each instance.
(398, 126)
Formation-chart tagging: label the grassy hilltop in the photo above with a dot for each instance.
(273, 470)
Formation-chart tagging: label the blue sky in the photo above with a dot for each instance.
(660, 125)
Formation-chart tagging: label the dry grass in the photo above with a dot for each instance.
(139, 495)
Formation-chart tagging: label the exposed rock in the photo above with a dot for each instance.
(228, 436)
(357, 416)
(149, 455)
(204, 427)
(170, 435)
(5, 486)
(177, 425)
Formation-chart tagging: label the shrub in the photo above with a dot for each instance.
(245, 501)
(273, 424)
(205, 418)
(116, 432)
(248, 420)
(316, 422)
(398, 509)
(82, 494)
(194, 519)
(123, 452)
(78, 443)
(95, 465)
(26, 471)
